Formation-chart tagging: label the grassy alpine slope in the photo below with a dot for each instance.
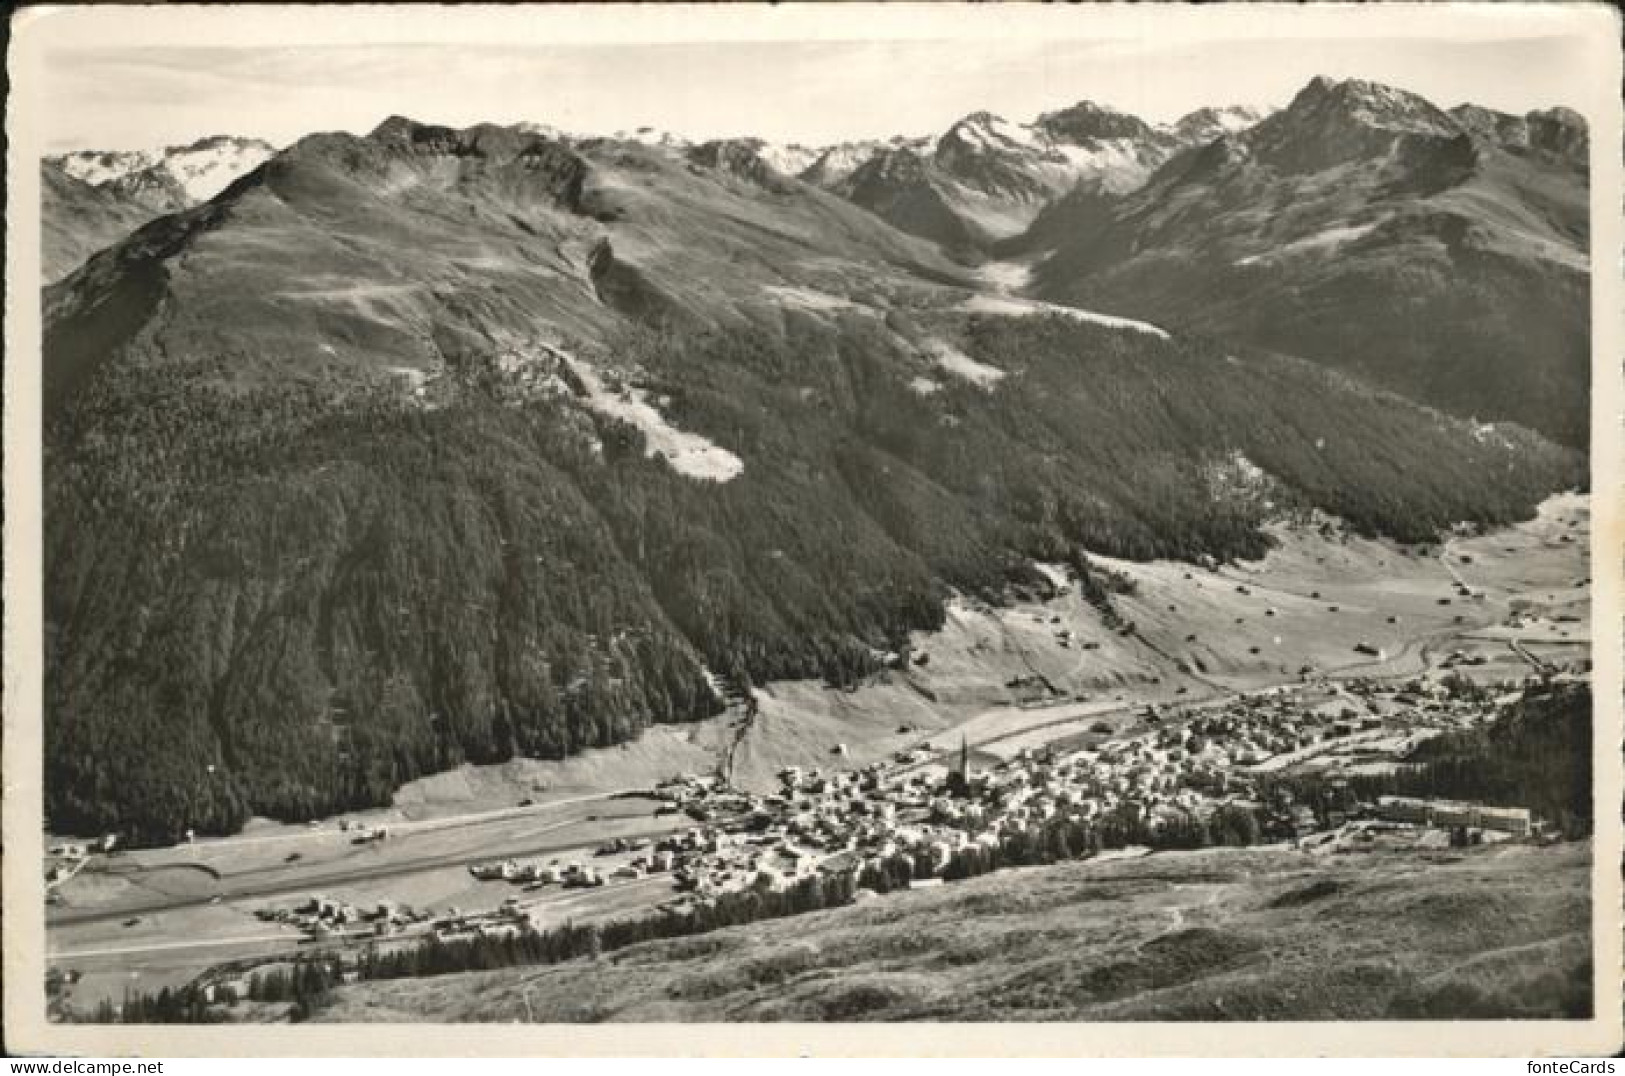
(1490, 933)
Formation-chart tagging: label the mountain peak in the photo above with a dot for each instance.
(652, 136)
(1208, 123)
(986, 131)
(543, 130)
(394, 127)
(741, 157)
(895, 164)
(1373, 104)
(1330, 123)
(1557, 131)
(402, 130)
(980, 119)
(1089, 121)
(222, 142)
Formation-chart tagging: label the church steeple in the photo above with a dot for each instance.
(959, 778)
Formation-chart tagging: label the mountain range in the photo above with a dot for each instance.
(1444, 255)
(437, 444)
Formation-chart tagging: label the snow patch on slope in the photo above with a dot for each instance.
(1005, 306)
(1119, 165)
(956, 362)
(689, 454)
(807, 298)
(1329, 239)
(202, 170)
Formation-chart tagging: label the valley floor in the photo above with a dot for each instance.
(1003, 679)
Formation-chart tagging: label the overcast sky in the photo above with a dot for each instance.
(813, 92)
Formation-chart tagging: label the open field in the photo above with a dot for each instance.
(165, 914)
(1005, 680)
(1217, 935)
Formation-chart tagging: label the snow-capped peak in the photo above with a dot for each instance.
(984, 130)
(1374, 105)
(833, 165)
(96, 167)
(790, 160)
(206, 168)
(543, 130)
(651, 136)
(1206, 124)
(200, 170)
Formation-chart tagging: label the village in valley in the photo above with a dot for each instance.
(1181, 767)
(1296, 764)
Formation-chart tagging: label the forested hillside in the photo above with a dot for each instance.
(290, 598)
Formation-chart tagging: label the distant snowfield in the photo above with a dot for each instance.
(789, 160)
(206, 171)
(94, 168)
(1114, 161)
(1329, 239)
(689, 454)
(203, 170)
(961, 365)
(1015, 308)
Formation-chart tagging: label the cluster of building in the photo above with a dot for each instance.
(321, 916)
(820, 822)
(1452, 814)
(508, 919)
(1253, 729)
(1172, 769)
(1177, 766)
(574, 874)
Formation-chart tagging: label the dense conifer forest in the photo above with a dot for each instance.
(289, 601)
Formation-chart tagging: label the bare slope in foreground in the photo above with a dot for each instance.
(1216, 935)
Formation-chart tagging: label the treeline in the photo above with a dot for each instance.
(308, 981)
(289, 601)
(1099, 586)
(1535, 754)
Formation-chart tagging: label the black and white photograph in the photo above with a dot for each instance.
(1101, 517)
